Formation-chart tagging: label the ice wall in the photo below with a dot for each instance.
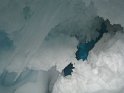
(111, 9)
(33, 24)
(40, 34)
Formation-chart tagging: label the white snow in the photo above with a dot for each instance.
(102, 73)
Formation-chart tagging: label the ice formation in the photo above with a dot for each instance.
(39, 39)
(103, 71)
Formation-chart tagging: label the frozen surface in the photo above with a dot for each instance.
(34, 25)
(102, 73)
(39, 38)
(37, 81)
(109, 9)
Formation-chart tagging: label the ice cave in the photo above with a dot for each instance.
(61, 46)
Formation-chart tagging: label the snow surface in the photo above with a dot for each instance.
(103, 71)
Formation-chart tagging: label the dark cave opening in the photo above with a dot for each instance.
(68, 69)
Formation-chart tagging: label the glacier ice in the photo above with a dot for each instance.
(39, 38)
(85, 47)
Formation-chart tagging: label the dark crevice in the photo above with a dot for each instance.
(84, 48)
(68, 69)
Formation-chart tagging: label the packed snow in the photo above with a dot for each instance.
(103, 71)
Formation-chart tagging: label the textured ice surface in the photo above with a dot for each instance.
(40, 34)
(37, 81)
(85, 47)
(33, 24)
(102, 73)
